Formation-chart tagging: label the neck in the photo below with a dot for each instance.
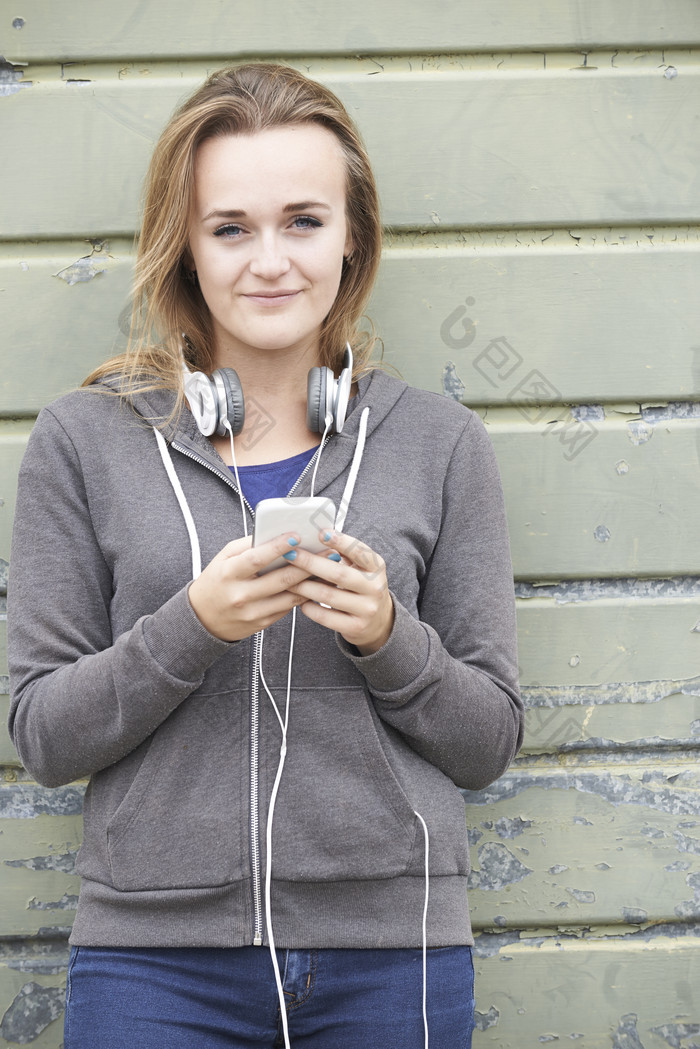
(275, 392)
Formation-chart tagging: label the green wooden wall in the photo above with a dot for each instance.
(539, 171)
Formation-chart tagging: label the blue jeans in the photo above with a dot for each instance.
(226, 998)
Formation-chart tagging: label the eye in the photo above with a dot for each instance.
(306, 222)
(230, 230)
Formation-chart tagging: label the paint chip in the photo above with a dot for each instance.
(10, 77)
(639, 432)
(80, 271)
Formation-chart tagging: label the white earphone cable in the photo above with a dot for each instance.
(425, 924)
(284, 723)
(329, 423)
(227, 426)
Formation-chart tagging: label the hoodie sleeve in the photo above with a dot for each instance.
(82, 699)
(448, 680)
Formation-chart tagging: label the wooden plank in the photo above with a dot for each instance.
(587, 317)
(609, 499)
(586, 844)
(589, 320)
(625, 992)
(550, 148)
(138, 29)
(582, 648)
(62, 314)
(609, 728)
(600, 499)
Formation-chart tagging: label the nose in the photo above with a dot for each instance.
(270, 259)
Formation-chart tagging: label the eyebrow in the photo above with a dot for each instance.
(232, 213)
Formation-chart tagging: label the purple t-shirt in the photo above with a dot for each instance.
(272, 480)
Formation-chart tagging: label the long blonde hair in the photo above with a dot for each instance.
(166, 303)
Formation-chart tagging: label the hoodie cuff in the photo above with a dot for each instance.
(178, 641)
(399, 662)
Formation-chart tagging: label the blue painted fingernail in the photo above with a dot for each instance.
(293, 542)
(326, 537)
(335, 556)
(290, 556)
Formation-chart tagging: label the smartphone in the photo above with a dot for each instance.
(307, 516)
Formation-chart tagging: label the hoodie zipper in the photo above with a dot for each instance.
(254, 790)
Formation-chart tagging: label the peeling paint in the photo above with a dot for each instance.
(582, 895)
(66, 903)
(489, 944)
(80, 271)
(511, 828)
(610, 692)
(498, 868)
(32, 1010)
(452, 385)
(590, 412)
(690, 909)
(33, 956)
(657, 413)
(625, 587)
(634, 915)
(652, 793)
(483, 1021)
(63, 862)
(639, 431)
(626, 1036)
(11, 78)
(674, 1034)
(26, 801)
(686, 844)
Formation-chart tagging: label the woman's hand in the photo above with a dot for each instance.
(232, 601)
(352, 581)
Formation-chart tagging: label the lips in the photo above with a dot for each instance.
(272, 298)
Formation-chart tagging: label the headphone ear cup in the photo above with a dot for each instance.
(230, 403)
(317, 398)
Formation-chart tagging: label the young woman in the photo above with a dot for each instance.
(274, 757)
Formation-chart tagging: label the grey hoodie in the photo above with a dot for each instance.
(113, 677)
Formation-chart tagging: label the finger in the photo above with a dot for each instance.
(234, 548)
(325, 594)
(354, 550)
(259, 557)
(337, 572)
(327, 617)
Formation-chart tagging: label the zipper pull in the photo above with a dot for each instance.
(257, 941)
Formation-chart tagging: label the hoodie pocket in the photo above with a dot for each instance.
(178, 825)
(341, 812)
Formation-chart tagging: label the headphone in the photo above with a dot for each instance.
(217, 398)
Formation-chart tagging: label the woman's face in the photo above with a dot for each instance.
(267, 237)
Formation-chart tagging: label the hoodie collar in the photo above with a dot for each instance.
(377, 390)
